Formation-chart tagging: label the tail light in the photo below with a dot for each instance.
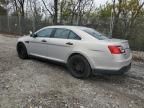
(116, 49)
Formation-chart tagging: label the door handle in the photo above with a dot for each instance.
(69, 43)
(44, 41)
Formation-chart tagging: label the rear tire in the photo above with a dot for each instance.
(79, 66)
(22, 51)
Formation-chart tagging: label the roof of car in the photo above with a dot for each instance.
(67, 27)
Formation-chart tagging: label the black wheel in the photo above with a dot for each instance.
(22, 51)
(79, 66)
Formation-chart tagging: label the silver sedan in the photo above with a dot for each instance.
(82, 49)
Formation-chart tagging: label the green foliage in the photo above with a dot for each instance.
(105, 10)
(66, 9)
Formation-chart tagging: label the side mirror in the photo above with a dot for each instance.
(32, 34)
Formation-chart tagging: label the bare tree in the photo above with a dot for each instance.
(128, 11)
(117, 9)
(83, 7)
(74, 11)
(19, 6)
(47, 8)
(56, 11)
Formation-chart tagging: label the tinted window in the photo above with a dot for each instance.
(61, 33)
(73, 36)
(44, 33)
(94, 33)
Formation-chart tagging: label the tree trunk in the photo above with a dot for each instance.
(115, 27)
(22, 11)
(56, 11)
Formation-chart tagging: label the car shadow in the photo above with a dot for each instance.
(109, 78)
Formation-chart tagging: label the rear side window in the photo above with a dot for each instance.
(74, 36)
(61, 33)
(45, 32)
(95, 33)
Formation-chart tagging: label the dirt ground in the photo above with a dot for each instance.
(40, 84)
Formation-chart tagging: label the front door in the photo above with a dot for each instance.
(38, 45)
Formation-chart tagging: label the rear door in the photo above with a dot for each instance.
(62, 43)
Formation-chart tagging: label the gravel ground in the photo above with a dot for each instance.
(40, 84)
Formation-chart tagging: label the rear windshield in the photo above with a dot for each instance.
(95, 33)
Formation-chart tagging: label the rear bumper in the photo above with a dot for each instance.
(114, 72)
(105, 61)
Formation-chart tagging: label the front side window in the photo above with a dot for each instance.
(45, 32)
(61, 33)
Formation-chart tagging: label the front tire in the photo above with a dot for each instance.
(79, 66)
(22, 51)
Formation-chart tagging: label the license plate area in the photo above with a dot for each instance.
(127, 52)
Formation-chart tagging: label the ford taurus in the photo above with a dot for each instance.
(83, 49)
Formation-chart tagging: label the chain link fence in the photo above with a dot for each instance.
(21, 26)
